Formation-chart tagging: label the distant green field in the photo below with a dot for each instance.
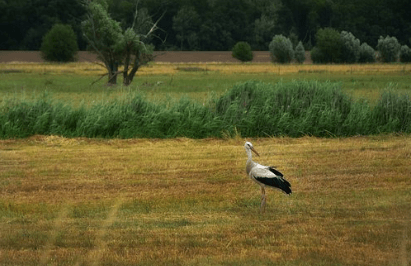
(194, 84)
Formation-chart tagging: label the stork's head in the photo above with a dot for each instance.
(249, 147)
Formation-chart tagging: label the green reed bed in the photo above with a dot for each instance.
(252, 109)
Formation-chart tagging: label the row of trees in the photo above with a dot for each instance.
(213, 24)
(343, 47)
(331, 47)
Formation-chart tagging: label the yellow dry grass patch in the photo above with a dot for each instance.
(225, 68)
(189, 202)
(53, 68)
(252, 68)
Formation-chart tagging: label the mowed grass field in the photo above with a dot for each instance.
(78, 201)
(189, 202)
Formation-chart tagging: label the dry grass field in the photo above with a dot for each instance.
(173, 62)
(189, 202)
(165, 68)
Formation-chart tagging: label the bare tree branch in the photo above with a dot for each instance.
(102, 76)
(154, 27)
(105, 74)
(135, 14)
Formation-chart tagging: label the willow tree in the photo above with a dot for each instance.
(116, 47)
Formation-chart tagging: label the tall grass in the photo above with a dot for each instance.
(254, 109)
(293, 109)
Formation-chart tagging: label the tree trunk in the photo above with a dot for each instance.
(128, 77)
(112, 76)
(126, 66)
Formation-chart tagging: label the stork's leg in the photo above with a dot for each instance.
(262, 207)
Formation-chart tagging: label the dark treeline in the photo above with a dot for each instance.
(214, 24)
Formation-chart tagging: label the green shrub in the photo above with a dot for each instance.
(317, 56)
(59, 44)
(300, 53)
(389, 49)
(281, 49)
(405, 54)
(367, 54)
(330, 44)
(350, 47)
(242, 51)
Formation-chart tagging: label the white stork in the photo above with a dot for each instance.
(264, 175)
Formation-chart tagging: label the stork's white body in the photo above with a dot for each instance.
(264, 175)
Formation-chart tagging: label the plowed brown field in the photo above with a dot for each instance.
(160, 56)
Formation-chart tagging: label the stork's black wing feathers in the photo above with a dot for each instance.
(277, 182)
(270, 177)
(274, 171)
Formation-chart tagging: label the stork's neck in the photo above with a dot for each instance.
(249, 154)
(250, 162)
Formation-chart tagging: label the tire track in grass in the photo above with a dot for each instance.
(45, 256)
(405, 257)
(95, 255)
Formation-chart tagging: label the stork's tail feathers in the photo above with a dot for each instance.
(286, 187)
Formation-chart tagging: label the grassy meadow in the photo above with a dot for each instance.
(183, 201)
(161, 81)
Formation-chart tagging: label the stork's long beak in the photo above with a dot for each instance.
(252, 148)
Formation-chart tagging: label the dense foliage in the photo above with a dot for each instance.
(59, 44)
(405, 54)
(344, 47)
(299, 53)
(242, 51)
(350, 47)
(253, 109)
(214, 25)
(329, 46)
(367, 54)
(389, 49)
(281, 49)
